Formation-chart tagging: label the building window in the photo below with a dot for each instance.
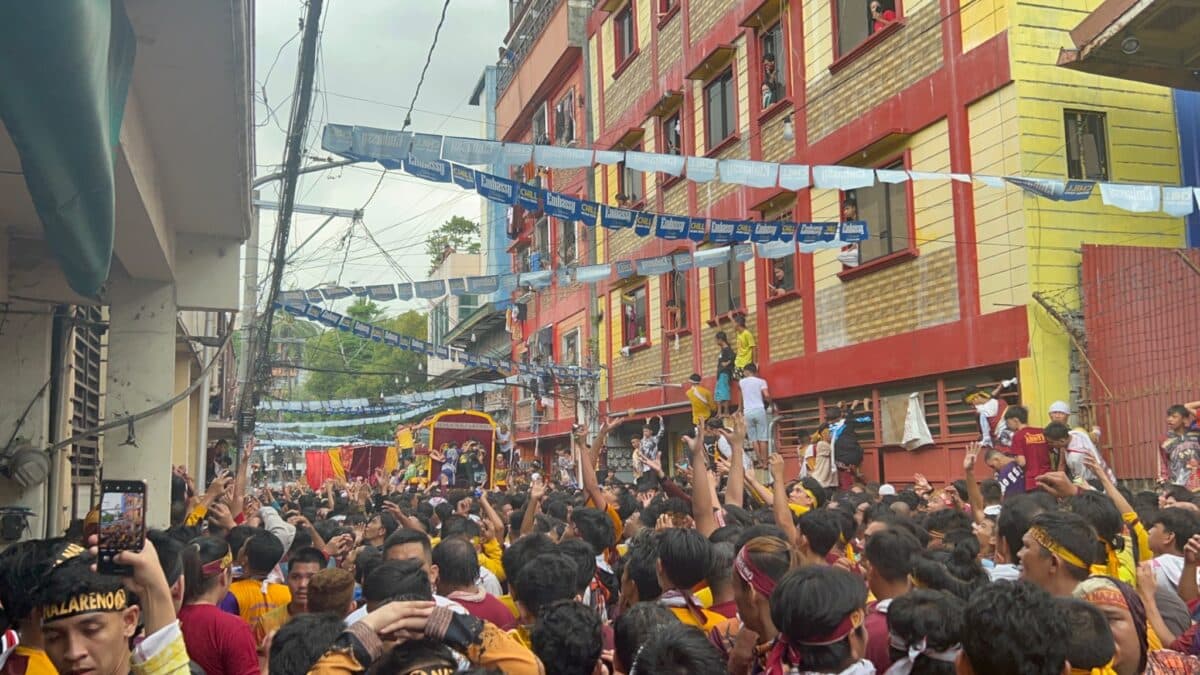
(672, 136)
(727, 287)
(439, 322)
(774, 65)
(677, 300)
(467, 304)
(884, 207)
(623, 32)
(540, 134)
(634, 317)
(568, 354)
(1087, 145)
(564, 119)
(783, 276)
(720, 112)
(631, 188)
(665, 6)
(857, 20)
(539, 256)
(568, 243)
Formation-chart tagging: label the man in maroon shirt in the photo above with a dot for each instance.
(1029, 446)
(458, 572)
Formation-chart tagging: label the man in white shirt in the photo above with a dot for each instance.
(755, 402)
(1078, 448)
(1169, 532)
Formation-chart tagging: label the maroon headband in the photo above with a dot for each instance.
(750, 573)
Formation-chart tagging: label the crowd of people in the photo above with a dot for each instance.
(1038, 565)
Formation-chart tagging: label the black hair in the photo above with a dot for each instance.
(73, 578)
(990, 489)
(595, 527)
(567, 639)
(459, 526)
(960, 486)
(676, 649)
(1089, 637)
(238, 536)
(299, 644)
(547, 579)
(263, 552)
(22, 568)
(169, 550)
(457, 562)
(890, 554)
(367, 559)
(1183, 524)
(516, 556)
(634, 626)
(944, 520)
(1105, 518)
(1178, 409)
(386, 519)
(932, 618)
(721, 336)
(640, 566)
(956, 570)
(200, 552)
(1072, 532)
(585, 560)
(822, 528)
(720, 569)
(971, 391)
(750, 368)
(1018, 412)
(307, 555)
(1014, 628)
(1013, 522)
(685, 556)
(404, 536)
(1056, 431)
(811, 602)
(397, 579)
(424, 655)
(556, 507)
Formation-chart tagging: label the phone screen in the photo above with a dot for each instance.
(122, 521)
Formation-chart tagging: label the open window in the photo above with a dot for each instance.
(857, 20)
(773, 57)
(568, 349)
(1087, 145)
(568, 242)
(623, 33)
(539, 254)
(635, 321)
(720, 109)
(672, 134)
(541, 134)
(631, 186)
(727, 287)
(564, 119)
(885, 208)
(677, 301)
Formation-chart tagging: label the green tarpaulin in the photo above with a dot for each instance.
(65, 68)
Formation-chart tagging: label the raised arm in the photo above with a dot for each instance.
(591, 486)
(974, 494)
(735, 488)
(537, 491)
(783, 513)
(490, 513)
(702, 495)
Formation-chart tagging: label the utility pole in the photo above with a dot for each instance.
(258, 367)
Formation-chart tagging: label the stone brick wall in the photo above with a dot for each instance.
(622, 242)
(680, 357)
(704, 14)
(619, 94)
(785, 328)
(909, 296)
(675, 199)
(670, 44)
(775, 148)
(641, 366)
(904, 57)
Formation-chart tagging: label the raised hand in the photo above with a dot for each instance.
(971, 456)
(775, 462)
(1191, 550)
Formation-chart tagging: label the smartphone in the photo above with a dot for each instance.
(122, 522)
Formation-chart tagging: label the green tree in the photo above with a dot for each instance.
(458, 233)
(347, 366)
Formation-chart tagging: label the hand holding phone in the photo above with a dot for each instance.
(122, 523)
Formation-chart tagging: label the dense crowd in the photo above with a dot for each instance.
(1039, 564)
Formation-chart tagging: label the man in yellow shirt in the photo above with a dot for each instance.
(703, 403)
(745, 346)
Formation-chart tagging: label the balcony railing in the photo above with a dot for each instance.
(531, 19)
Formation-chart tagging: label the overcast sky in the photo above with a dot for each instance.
(370, 58)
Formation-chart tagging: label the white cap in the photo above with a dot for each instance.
(887, 489)
(993, 510)
(1060, 407)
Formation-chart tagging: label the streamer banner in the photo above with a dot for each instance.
(495, 188)
(404, 291)
(701, 169)
(463, 176)
(336, 292)
(842, 177)
(765, 232)
(793, 176)
(615, 218)
(743, 252)
(712, 257)
(654, 266)
(382, 292)
(624, 269)
(1133, 198)
(430, 289)
(653, 161)
(457, 286)
(1177, 201)
(529, 197)
(853, 231)
(554, 157)
(721, 231)
(425, 147)
(743, 231)
(696, 230)
(314, 295)
(592, 273)
(683, 261)
(561, 206)
(643, 223)
(589, 213)
(672, 227)
(514, 154)
(777, 249)
(893, 176)
(434, 170)
(749, 173)
(470, 151)
(483, 285)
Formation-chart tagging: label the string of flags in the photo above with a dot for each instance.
(375, 333)
(447, 159)
(393, 403)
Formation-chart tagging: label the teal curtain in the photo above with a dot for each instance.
(65, 68)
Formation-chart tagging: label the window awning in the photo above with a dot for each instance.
(65, 69)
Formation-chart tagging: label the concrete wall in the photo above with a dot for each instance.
(25, 342)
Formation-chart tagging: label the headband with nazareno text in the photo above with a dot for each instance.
(85, 603)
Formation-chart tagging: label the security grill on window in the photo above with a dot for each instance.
(564, 119)
(1087, 145)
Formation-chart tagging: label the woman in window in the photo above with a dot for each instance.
(772, 89)
(780, 284)
(881, 16)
